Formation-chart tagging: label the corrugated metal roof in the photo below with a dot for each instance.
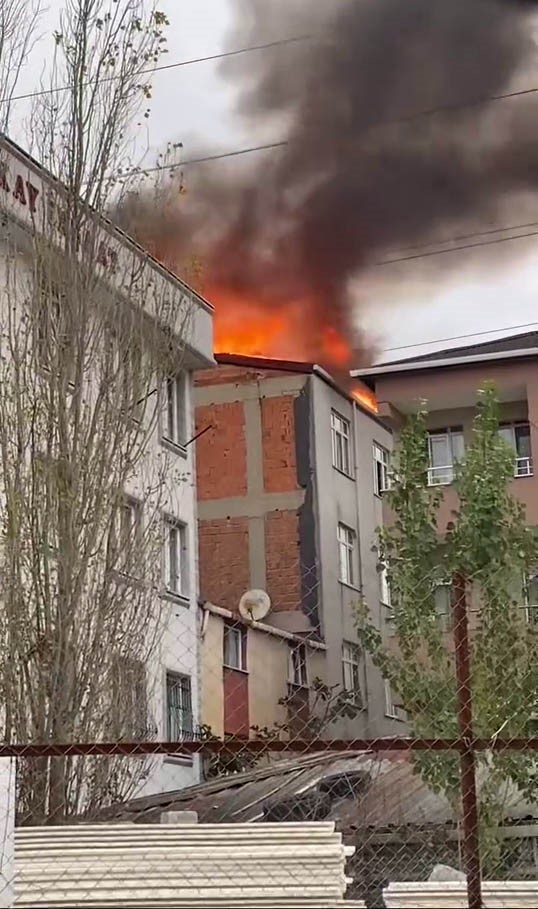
(354, 789)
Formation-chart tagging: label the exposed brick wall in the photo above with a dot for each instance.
(278, 435)
(224, 560)
(221, 453)
(283, 569)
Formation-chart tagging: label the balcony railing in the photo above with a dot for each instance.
(441, 476)
(523, 467)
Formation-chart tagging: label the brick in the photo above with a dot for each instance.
(278, 435)
(223, 560)
(221, 453)
(283, 567)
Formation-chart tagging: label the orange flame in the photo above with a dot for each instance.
(285, 332)
(365, 397)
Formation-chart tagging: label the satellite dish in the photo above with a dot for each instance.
(254, 605)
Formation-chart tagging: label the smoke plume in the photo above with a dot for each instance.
(364, 168)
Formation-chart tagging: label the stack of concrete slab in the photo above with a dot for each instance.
(171, 865)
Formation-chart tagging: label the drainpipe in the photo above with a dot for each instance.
(359, 536)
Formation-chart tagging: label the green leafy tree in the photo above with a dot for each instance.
(490, 546)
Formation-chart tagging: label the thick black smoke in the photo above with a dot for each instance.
(364, 168)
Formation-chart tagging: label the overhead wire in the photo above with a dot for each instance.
(471, 334)
(165, 66)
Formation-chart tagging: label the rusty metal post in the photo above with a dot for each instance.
(471, 843)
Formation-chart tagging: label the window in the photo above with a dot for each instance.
(346, 552)
(127, 536)
(381, 469)
(445, 449)
(175, 410)
(298, 666)
(131, 380)
(390, 708)
(179, 719)
(340, 435)
(443, 605)
(54, 352)
(129, 708)
(351, 666)
(175, 557)
(530, 599)
(384, 591)
(235, 647)
(518, 437)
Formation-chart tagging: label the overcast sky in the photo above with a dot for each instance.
(401, 304)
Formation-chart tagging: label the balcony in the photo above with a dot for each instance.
(523, 467)
(441, 475)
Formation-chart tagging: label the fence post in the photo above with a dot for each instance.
(7, 832)
(471, 844)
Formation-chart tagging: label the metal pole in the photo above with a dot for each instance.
(471, 844)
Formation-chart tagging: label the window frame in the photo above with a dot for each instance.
(449, 433)
(341, 442)
(298, 668)
(444, 619)
(531, 609)
(391, 711)
(347, 546)
(123, 544)
(240, 634)
(171, 523)
(132, 671)
(174, 411)
(178, 677)
(352, 659)
(381, 469)
(527, 461)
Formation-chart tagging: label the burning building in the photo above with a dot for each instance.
(290, 472)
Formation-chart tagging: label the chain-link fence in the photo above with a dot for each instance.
(276, 774)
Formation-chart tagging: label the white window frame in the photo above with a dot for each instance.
(444, 619)
(174, 410)
(384, 587)
(523, 466)
(341, 443)
(352, 670)
(443, 474)
(234, 657)
(298, 666)
(381, 469)
(127, 537)
(346, 538)
(183, 730)
(391, 710)
(531, 609)
(177, 586)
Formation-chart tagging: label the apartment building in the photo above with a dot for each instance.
(290, 471)
(170, 681)
(448, 380)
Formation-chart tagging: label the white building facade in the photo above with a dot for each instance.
(172, 678)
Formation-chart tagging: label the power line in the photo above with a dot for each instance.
(472, 334)
(156, 69)
(442, 252)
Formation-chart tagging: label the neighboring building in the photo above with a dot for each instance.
(448, 380)
(172, 684)
(248, 671)
(290, 471)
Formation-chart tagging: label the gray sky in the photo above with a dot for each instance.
(399, 304)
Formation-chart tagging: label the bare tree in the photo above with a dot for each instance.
(18, 23)
(90, 331)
